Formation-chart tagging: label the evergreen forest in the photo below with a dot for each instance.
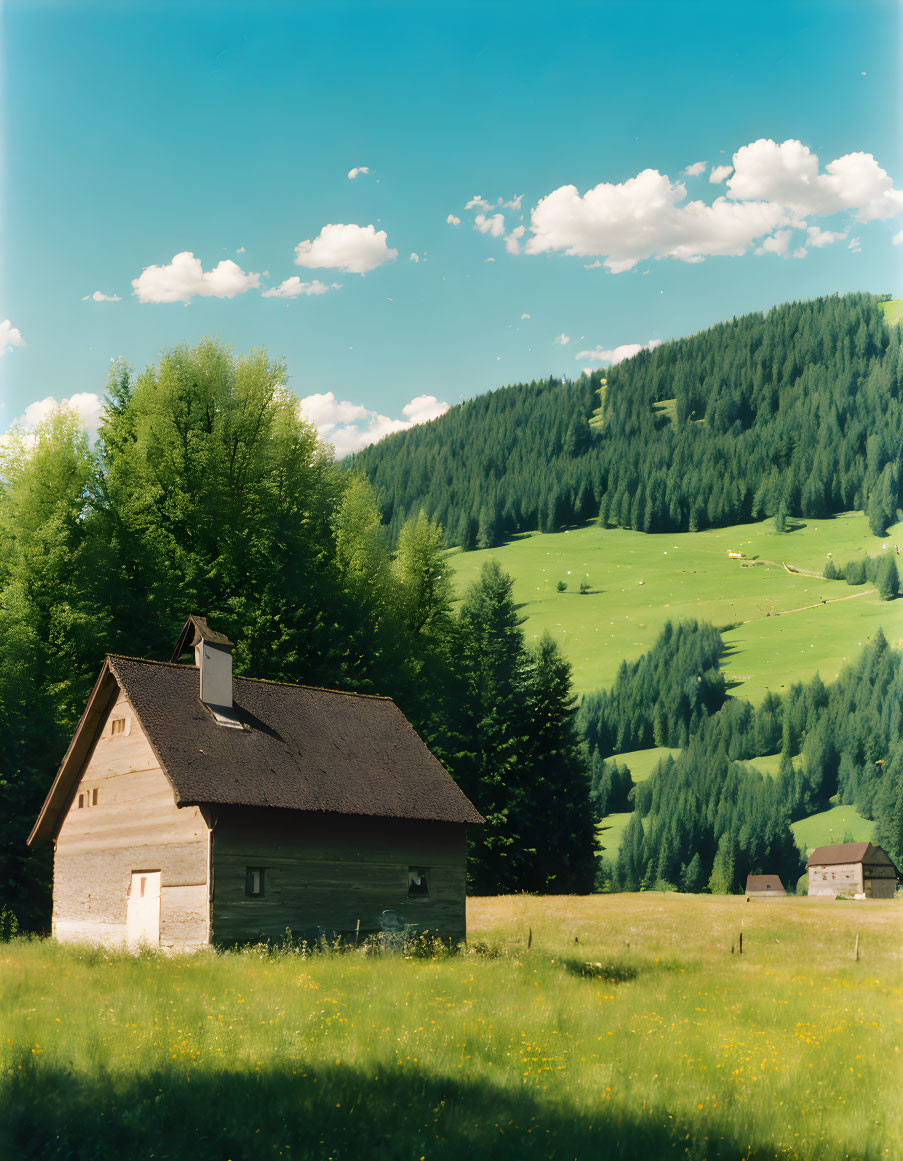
(797, 411)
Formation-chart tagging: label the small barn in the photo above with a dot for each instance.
(764, 886)
(860, 869)
(194, 808)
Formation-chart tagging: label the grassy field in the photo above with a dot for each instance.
(893, 311)
(840, 824)
(639, 581)
(628, 1030)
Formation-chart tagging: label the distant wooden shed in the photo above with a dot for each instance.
(859, 869)
(764, 886)
(195, 808)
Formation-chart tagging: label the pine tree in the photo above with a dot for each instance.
(887, 578)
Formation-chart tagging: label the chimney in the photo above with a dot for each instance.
(213, 656)
(215, 663)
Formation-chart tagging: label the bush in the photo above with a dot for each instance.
(562, 586)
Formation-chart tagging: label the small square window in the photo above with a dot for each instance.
(254, 882)
(118, 726)
(418, 882)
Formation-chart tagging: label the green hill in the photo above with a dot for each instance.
(799, 410)
(781, 630)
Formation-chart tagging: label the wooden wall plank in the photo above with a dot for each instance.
(323, 873)
(135, 825)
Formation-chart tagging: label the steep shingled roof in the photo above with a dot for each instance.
(304, 748)
(846, 853)
(301, 749)
(764, 885)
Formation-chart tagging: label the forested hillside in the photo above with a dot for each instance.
(797, 411)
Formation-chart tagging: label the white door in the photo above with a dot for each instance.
(143, 917)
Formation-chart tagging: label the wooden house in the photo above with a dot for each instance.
(859, 869)
(195, 808)
(764, 886)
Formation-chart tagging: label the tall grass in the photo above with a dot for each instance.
(627, 1029)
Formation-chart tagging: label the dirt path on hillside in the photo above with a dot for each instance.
(816, 605)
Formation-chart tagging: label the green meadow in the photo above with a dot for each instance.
(638, 581)
(597, 1027)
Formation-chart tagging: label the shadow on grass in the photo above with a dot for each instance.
(337, 1112)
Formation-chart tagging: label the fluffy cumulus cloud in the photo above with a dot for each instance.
(562, 340)
(352, 426)
(99, 296)
(10, 337)
(184, 278)
(898, 238)
(453, 220)
(293, 288)
(354, 249)
(608, 357)
(788, 174)
(494, 224)
(770, 190)
(778, 243)
(358, 171)
(86, 405)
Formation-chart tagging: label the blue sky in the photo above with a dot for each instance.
(136, 132)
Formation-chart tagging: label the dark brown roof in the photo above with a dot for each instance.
(847, 853)
(303, 749)
(764, 884)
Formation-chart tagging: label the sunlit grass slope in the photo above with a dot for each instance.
(628, 1030)
(893, 311)
(691, 575)
(840, 824)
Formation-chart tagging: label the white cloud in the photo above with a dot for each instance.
(354, 249)
(240, 250)
(525, 315)
(854, 245)
(293, 287)
(562, 339)
(514, 204)
(617, 354)
(99, 296)
(789, 174)
(184, 278)
(898, 239)
(818, 237)
(776, 244)
(643, 218)
(352, 426)
(512, 242)
(453, 221)
(423, 408)
(770, 188)
(695, 169)
(414, 257)
(494, 225)
(86, 405)
(357, 171)
(478, 202)
(10, 337)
